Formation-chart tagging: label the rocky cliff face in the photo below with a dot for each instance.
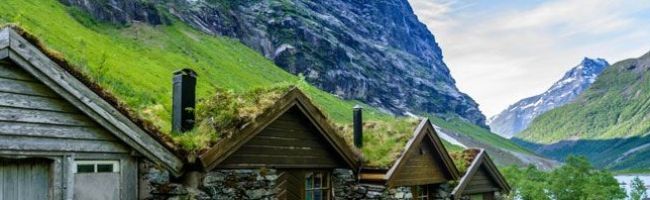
(519, 115)
(374, 51)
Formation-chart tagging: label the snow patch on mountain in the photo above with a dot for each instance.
(518, 116)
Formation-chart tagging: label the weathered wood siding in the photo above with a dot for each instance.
(25, 179)
(35, 118)
(291, 141)
(420, 167)
(481, 182)
(291, 185)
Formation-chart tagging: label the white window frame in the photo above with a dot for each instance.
(115, 163)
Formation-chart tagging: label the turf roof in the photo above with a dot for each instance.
(383, 141)
(226, 111)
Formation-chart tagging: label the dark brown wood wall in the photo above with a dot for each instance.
(420, 169)
(35, 118)
(291, 184)
(291, 141)
(481, 182)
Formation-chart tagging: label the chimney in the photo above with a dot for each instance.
(183, 102)
(357, 123)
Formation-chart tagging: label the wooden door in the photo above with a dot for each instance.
(25, 179)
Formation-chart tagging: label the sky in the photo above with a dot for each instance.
(502, 51)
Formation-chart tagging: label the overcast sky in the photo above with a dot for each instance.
(502, 51)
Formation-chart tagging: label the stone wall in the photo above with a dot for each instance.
(259, 184)
(240, 184)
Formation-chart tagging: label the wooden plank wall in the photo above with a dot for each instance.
(420, 169)
(25, 179)
(480, 182)
(290, 185)
(35, 118)
(291, 141)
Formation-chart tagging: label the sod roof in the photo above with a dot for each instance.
(227, 111)
(125, 110)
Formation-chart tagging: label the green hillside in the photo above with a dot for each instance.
(617, 105)
(136, 62)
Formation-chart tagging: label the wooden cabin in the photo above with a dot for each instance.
(292, 137)
(482, 181)
(423, 165)
(60, 138)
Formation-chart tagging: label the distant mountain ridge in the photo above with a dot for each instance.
(518, 116)
(609, 122)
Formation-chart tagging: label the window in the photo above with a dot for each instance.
(423, 192)
(97, 166)
(96, 179)
(317, 186)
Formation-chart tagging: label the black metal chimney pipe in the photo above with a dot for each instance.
(184, 100)
(357, 123)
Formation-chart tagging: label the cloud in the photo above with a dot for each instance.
(500, 51)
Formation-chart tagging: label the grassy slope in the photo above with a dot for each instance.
(478, 133)
(136, 63)
(615, 106)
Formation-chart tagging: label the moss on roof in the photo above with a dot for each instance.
(463, 159)
(226, 112)
(383, 141)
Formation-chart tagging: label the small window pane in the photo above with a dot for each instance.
(105, 168)
(317, 180)
(309, 182)
(308, 195)
(318, 194)
(85, 168)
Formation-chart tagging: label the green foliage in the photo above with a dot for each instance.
(527, 183)
(638, 189)
(576, 179)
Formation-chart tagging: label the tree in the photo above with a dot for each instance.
(576, 179)
(638, 189)
(603, 185)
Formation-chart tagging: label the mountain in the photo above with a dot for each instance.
(373, 51)
(609, 122)
(518, 116)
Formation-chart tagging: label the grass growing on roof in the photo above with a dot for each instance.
(383, 141)
(226, 111)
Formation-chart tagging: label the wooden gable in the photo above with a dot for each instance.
(293, 133)
(482, 176)
(291, 141)
(33, 117)
(57, 98)
(424, 161)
